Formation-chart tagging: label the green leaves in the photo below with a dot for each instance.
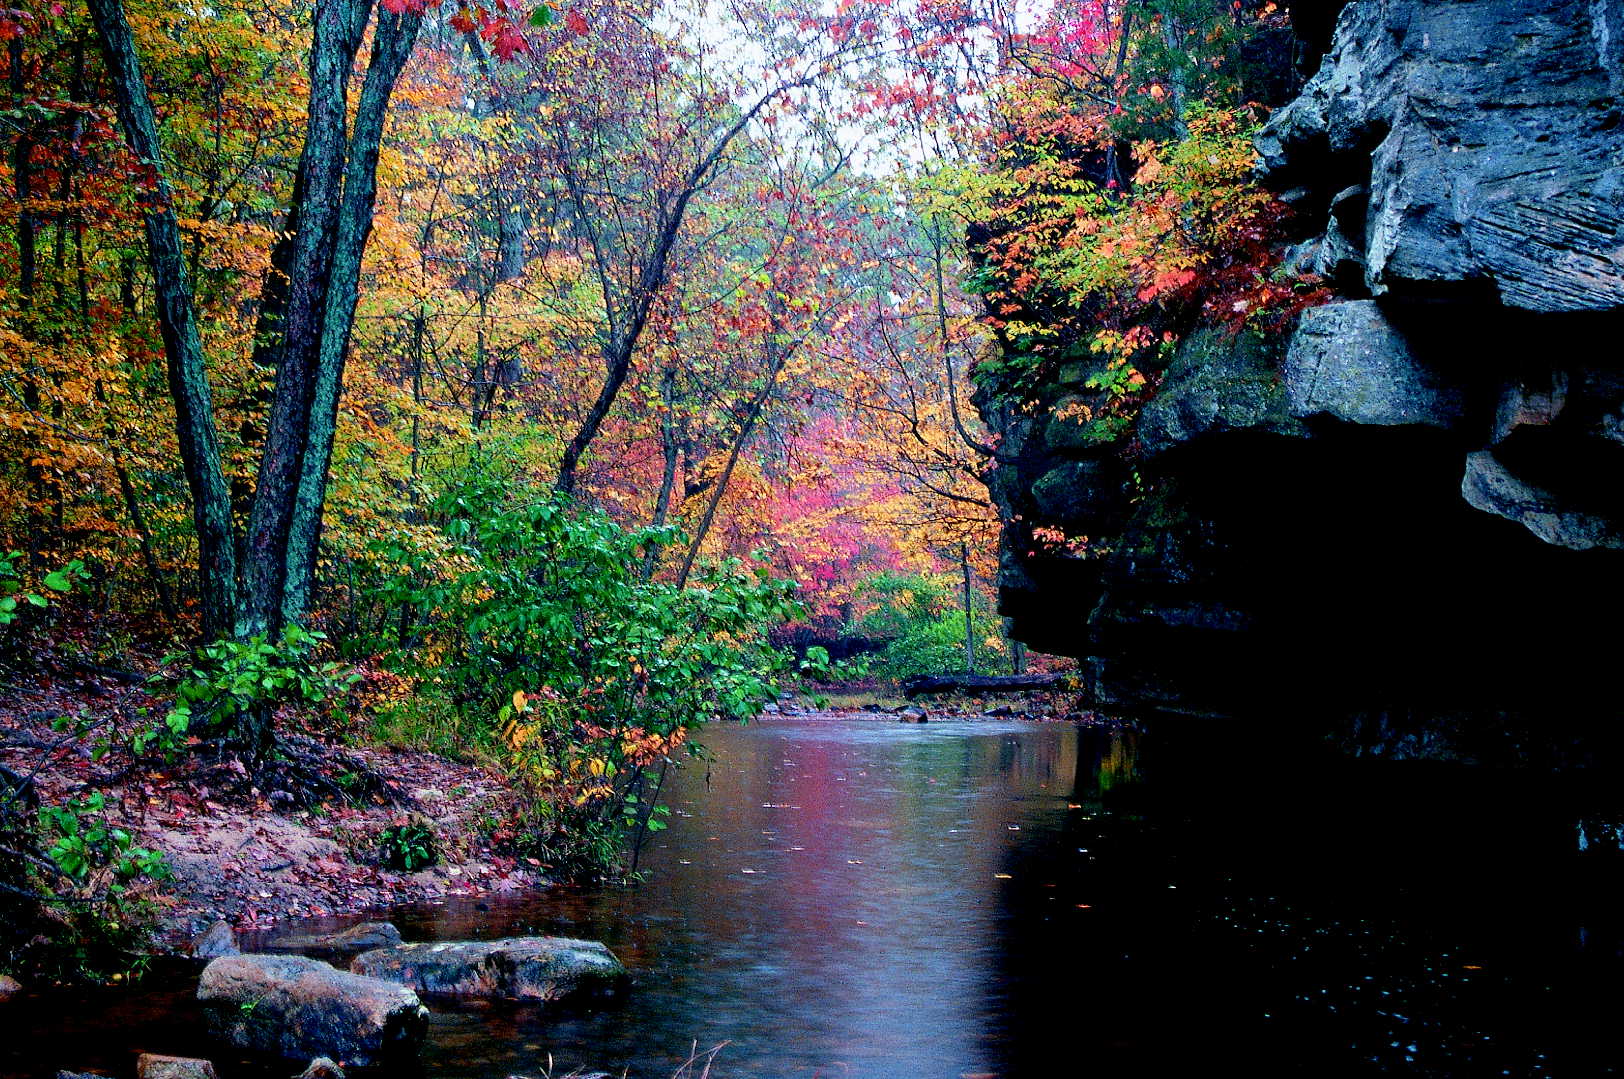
(228, 681)
(11, 583)
(540, 618)
(84, 844)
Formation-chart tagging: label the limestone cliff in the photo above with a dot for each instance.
(1413, 503)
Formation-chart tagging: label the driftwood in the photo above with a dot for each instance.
(922, 684)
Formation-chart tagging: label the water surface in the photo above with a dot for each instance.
(854, 897)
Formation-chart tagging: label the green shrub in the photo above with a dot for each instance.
(409, 844)
(231, 688)
(540, 625)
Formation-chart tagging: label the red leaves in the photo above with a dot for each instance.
(576, 22)
(506, 40)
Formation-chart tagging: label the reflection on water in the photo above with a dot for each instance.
(851, 897)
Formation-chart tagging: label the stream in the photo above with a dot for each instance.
(847, 896)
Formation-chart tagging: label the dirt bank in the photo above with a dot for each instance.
(244, 855)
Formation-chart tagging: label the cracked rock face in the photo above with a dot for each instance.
(1491, 138)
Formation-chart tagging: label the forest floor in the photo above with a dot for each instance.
(248, 856)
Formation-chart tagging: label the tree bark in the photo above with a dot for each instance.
(317, 205)
(177, 321)
(393, 39)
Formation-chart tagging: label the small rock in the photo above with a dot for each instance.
(156, 1066)
(215, 941)
(342, 945)
(9, 987)
(516, 968)
(322, 1068)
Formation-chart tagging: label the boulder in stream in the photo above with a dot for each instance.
(322, 1068)
(158, 1066)
(516, 968)
(296, 1007)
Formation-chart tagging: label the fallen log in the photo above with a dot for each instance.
(921, 684)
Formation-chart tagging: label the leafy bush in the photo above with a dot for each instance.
(409, 844)
(77, 904)
(232, 687)
(19, 598)
(923, 616)
(581, 671)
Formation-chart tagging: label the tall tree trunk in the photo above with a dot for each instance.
(177, 320)
(668, 477)
(318, 202)
(393, 39)
(969, 612)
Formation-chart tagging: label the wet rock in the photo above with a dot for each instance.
(1075, 492)
(342, 945)
(516, 968)
(9, 987)
(1491, 129)
(297, 1007)
(1218, 382)
(1341, 255)
(215, 941)
(156, 1066)
(322, 1068)
(913, 715)
(1347, 361)
(1492, 487)
(1534, 401)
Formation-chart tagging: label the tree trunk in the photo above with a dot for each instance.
(318, 202)
(922, 684)
(177, 321)
(969, 612)
(393, 39)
